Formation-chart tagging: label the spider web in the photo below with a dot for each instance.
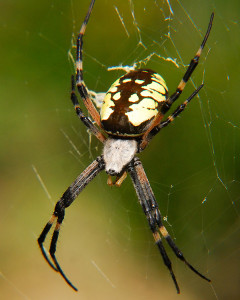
(105, 245)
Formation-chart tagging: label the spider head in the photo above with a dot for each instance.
(117, 153)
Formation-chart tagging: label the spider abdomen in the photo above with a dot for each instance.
(132, 102)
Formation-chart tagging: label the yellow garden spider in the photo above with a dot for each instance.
(131, 115)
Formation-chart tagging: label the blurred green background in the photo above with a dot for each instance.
(105, 246)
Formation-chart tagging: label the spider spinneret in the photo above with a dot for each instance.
(131, 115)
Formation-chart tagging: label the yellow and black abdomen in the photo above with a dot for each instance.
(132, 102)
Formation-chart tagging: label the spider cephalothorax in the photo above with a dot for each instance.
(131, 115)
(117, 153)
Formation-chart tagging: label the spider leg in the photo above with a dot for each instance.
(145, 202)
(86, 121)
(42, 238)
(193, 64)
(169, 119)
(179, 109)
(65, 201)
(168, 103)
(82, 89)
(152, 212)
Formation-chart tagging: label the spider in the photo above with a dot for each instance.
(131, 115)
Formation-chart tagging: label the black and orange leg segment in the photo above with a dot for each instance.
(171, 118)
(86, 121)
(82, 89)
(156, 124)
(65, 201)
(152, 212)
(193, 64)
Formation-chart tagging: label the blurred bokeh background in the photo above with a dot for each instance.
(105, 246)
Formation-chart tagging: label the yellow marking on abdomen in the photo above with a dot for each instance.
(116, 96)
(153, 94)
(160, 80)
(126, 80)
(142, 111)
(139, 81)
(157, 86)
(106, 110)
(133, 98)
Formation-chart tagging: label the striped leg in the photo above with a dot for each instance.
(177, 111)
(193, 64)
(65, 201)
(86, 121)
(168, 103)
(82, 89)
(152, 212)
(169, 119)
